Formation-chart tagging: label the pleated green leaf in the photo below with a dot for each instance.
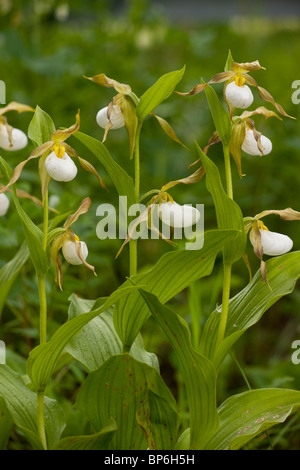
(41, 127)
(120, 389)
(42, 359)
(158, 92)
(172, 273)
(248, 414)
(97, 441)
(98, 340)
(122, 181)
(21, 404)
(248, 306)
(229, 214)
(198, 372)
(220, 116)
(33, 234)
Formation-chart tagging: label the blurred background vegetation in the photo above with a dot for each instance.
(47, 47)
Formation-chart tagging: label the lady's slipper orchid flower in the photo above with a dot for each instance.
(245, 136)
(74, 251)
(60, 166)
(178, 216)
(55, 161)
(12, 139)
(239, 96)
(110, 114)
(16, 141)
(4, 204)
(122, 111)
(236, 77)
(250, 144)
(269, 243)
(273, 243)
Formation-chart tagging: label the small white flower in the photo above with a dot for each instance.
(116, 117)
(70, 253)
(19, 139)
(238, 96)
(274, 244)
(250, 144)
(60, 168)
(4, 204)
(178, 216)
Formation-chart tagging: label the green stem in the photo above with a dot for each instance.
(225, 302)
(46, 218)
(43, 308)
(226, 267)
(137, 161)
(133, 243)
(228, 171)
(43, 329)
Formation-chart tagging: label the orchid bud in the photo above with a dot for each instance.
(4, 204)
(178, 216)
(250, 144)
(115, 117)
(274, 244)
(60, 168)
(18, 137)
(70, 250)
(239, 96)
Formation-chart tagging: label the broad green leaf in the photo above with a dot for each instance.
(98, 340)
(33, 234)
(14, 265)
(159, 422)
(9, 272)
(248, 306)
(159, 92)
(6, 424)
(172, 273)
(21, 404)
(229, 214)
(97, 441)
(198, 372)
(122, 181)
(42, 359)
(41, 127)
(120, 389)
(229, 62)
(220, 116)
(248, 414)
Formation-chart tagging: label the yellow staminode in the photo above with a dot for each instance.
(76, 238)
(239, 79)
(262, 226)
(59, 150)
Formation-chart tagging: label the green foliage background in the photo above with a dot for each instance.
(46, 48)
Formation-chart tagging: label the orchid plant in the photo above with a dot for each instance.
(124, 398)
